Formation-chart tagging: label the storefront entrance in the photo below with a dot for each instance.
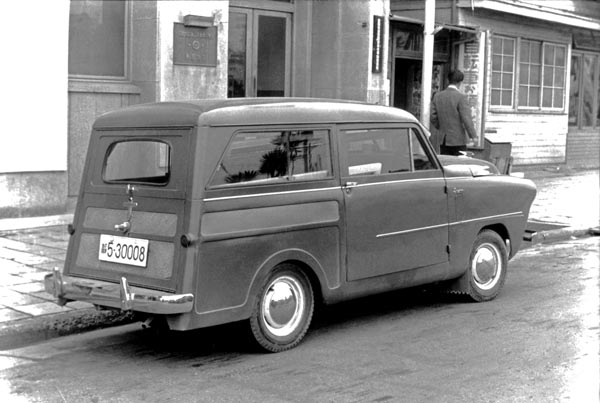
(407, 56)
(407, 83)
(454, 47)
(259, 53)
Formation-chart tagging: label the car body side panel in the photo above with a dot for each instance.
(500, 202)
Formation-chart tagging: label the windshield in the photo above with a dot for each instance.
(138, 161)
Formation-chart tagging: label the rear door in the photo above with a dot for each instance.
(130, 216)
(395, 201)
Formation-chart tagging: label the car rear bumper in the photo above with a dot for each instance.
(120, 296)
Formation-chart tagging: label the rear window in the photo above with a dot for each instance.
(138, 161)
(275, 156)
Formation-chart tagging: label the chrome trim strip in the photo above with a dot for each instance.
(515, 214)
(440, 179)
(270, 194)
(408, 231)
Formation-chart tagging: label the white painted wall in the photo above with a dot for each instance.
(34, 71)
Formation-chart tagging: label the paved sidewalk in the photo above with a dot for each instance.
(30, 248)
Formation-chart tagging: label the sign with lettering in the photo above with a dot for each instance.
(376, 66)
(194, 46)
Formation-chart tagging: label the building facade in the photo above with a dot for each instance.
(532, 71)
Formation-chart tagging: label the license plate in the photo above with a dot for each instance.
(118, 249)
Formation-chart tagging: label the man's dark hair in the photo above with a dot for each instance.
(455, 76)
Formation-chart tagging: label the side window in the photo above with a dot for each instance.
(421, 159)
(376, 151)
(275, 156)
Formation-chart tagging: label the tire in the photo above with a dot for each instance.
(488, 264)
(280, 327)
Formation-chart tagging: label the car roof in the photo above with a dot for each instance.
(250, 111)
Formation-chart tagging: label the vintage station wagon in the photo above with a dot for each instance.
(213, 211)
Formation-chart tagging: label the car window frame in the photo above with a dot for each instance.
(384, 177)
(266, 184)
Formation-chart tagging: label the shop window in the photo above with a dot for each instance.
(540, 77)
(503, 71)
(530, 73)
(97, 38)
(589, 85)
(554, 76)
(574, 96)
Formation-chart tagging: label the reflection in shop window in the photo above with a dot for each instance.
(97, 38)
(584, 95)
(574, 91)
(588, 89)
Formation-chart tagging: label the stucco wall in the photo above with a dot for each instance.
(26, 194)
(86, 102)
(340, 52)
(191, 82)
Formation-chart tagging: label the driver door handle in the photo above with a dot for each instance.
(349, 185)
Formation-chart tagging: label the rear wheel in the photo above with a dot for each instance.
(487, 266)
(283, 309)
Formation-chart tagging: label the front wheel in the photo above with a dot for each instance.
(487, 266)
(283, 309)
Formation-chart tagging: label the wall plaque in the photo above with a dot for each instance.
(194, 46)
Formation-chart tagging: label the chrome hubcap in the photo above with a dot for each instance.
(283, 306)
(486, 266)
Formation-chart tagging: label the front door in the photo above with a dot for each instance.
(396, 205)
(259, 53)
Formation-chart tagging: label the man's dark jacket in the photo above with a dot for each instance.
(451, 115)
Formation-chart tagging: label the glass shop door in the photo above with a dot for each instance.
(259, 53)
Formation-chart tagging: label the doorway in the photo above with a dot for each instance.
(407, 84)
(259, 53)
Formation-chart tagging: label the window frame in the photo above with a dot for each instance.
(286, 179)
(126, 53)
(501, 72)
(516, 107)
(169, 162)
(413, 131)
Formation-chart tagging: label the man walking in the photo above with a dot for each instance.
(451, 115)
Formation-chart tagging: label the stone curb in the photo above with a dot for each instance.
(37, 329)
(562, 234)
